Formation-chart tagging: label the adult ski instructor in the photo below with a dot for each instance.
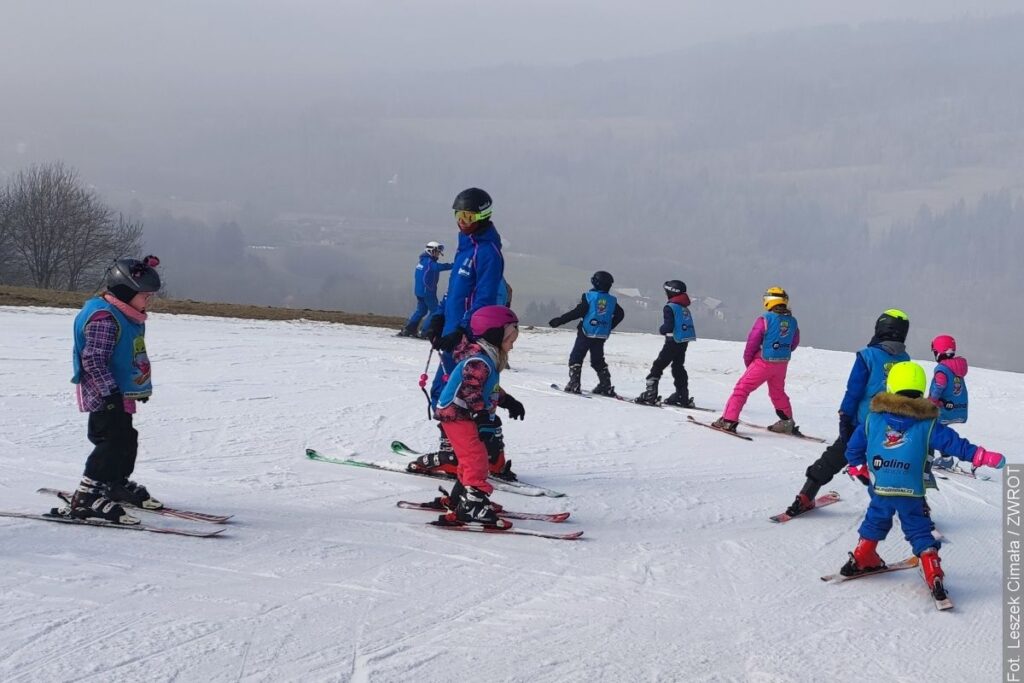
(477, 280)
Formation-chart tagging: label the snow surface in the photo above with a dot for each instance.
(680, 575)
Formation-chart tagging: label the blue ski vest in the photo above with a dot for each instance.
(597, 322)
(129, 363)
(777, 346)
(682, 323)
(896, 459)
(953, 406)
(450, 393)
(879, 363)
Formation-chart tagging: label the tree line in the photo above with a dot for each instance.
(58, 233)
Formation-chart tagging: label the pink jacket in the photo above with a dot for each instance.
(756, 338)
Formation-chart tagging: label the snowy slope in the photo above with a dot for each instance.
(320, 578)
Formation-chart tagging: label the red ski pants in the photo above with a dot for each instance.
(471, 452)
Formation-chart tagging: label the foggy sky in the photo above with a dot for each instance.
(233, 111)
(266, 41)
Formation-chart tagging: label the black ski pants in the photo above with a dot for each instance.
(585, 345)
(116, 443)
(831, 463)
(673, 353)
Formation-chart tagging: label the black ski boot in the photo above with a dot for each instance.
(91, 500)
(573, 385)
(474, 507)
(127, 491)
(678, 399)
(604, 383)
(650, 395)
(448, 501)
(805, 499)
(506, 473)
(443, 461)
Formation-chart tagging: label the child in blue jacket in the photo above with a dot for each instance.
(888, 452)
(599, 314)
(948, 389)
(678, 330)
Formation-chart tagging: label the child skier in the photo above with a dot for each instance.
(948, 389)
(113, 374)
(424, 286)
(888, 452)
(467, 408)
(770, 344)
(679, 332)
(867, 377)
(599, 314)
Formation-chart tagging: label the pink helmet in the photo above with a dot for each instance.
(490, 318)
(944, 345)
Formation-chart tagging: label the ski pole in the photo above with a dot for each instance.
(423, 380)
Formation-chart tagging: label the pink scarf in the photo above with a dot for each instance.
(133, 314)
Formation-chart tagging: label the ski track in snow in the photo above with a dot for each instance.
(680, 575)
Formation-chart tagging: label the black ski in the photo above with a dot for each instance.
(55, 516)
(165, 511)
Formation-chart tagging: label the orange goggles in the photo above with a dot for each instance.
(470, 217)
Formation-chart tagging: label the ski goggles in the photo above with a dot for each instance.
(470, 217)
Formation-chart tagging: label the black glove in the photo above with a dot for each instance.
(450, 340)
(846, 427)
(114, 403)
(434, 327)
(554, 322)
(144, 399)
(515, 409)
(489, 431)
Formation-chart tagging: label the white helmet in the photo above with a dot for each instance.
(435, 249)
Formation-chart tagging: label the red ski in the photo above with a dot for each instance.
(718, 429)
(555, 517)
(908, 563)
(820, 501)
(571, 536)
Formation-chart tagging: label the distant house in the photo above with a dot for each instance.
(633, 296)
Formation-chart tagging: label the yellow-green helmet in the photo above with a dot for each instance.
(892, 325)
(906, 376)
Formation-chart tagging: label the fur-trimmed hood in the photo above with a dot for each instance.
(914, 408)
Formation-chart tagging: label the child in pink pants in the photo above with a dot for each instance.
(770, 345)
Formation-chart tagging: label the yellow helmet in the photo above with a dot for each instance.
(773, 296)
(906, 376)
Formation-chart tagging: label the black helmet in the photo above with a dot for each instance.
(673, 287)
(602, 280)
(126, 277)
(893, 325)
(474, 199)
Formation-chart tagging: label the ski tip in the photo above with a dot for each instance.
(310, 453)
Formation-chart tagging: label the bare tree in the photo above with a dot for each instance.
(7, 273)
(60, 232)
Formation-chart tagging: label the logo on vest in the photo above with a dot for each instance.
(878, 463)
(783, 328)
(602, 305)
(958, 385)
(140, 361)
(893, 438)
